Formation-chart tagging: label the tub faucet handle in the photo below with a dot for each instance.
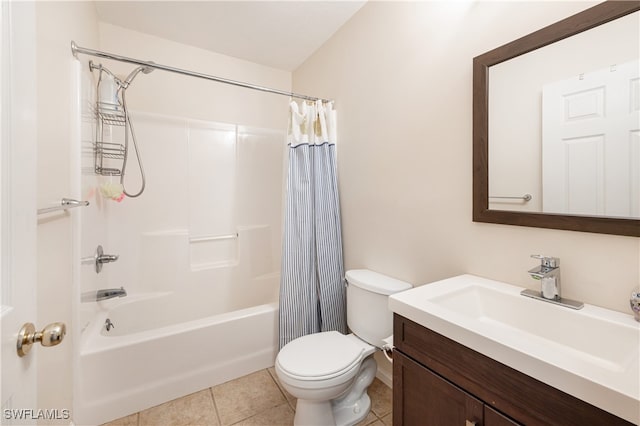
(108, 258)
(101, 258)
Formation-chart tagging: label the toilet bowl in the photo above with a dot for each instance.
(330, 372)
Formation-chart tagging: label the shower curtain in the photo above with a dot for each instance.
(312, 290)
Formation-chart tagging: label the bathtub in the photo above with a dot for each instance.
(159, 350)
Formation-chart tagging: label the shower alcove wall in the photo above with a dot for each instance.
(213, 201)
(200, 249)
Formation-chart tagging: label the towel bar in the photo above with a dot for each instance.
(525, 197)
(65, 203)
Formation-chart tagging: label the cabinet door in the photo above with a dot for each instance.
(423, 398)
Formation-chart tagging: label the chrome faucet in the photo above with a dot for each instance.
(548, 273)
(110, 293)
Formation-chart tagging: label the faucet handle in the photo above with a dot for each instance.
(100, 258)
(548, 261)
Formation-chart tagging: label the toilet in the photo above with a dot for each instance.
(330, 372)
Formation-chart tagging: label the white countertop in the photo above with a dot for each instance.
(591, 353)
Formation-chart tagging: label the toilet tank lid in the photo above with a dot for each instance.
(375, 282)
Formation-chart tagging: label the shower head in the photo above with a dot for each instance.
(145, 70)
(148, 69)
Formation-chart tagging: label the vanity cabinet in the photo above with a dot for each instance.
(439, 382)
(429, 399)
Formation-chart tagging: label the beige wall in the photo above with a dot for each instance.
(57, 24)
(401, 75)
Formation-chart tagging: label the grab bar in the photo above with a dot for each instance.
(213, 238)
(65, 203)
(525, 197)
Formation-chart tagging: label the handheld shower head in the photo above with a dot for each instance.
(148, 69)
(135, 72)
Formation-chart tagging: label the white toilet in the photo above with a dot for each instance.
(330, 372)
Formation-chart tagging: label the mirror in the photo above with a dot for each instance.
(545, 158)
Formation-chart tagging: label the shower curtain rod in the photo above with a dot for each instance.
(75, 49)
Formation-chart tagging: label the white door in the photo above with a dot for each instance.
(591, 143)
(18, 213)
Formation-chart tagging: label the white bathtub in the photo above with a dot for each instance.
(159, 351)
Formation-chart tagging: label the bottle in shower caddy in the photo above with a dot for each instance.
(108, 95)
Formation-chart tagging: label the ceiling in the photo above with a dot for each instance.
(279, 34)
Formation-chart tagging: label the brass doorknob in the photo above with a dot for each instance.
(51, 335)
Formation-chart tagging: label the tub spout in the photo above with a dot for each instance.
(110, 293)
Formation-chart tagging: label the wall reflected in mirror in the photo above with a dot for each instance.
(564, 125)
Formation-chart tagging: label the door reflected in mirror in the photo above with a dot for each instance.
(564, 125)
(556, 125)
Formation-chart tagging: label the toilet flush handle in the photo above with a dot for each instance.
(387, 348)
(388, 353)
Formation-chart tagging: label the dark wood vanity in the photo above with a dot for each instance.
(439, 382)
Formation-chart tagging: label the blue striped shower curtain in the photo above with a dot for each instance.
(312, 291)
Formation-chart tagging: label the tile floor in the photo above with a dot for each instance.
(255, 399)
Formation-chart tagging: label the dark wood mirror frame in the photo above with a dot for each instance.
(590, 18)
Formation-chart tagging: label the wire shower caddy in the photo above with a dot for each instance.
(108, 156)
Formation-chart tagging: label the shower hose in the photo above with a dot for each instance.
(129, 124)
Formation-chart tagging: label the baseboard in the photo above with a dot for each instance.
(385, 377)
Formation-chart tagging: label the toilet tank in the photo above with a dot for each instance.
(368, 314)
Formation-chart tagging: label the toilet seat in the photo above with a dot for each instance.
(320, 356)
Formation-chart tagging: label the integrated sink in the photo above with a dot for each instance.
(592, 353)
(508, 315)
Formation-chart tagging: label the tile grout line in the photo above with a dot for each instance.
(277, 383)
(215, 406)
(279, 386)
